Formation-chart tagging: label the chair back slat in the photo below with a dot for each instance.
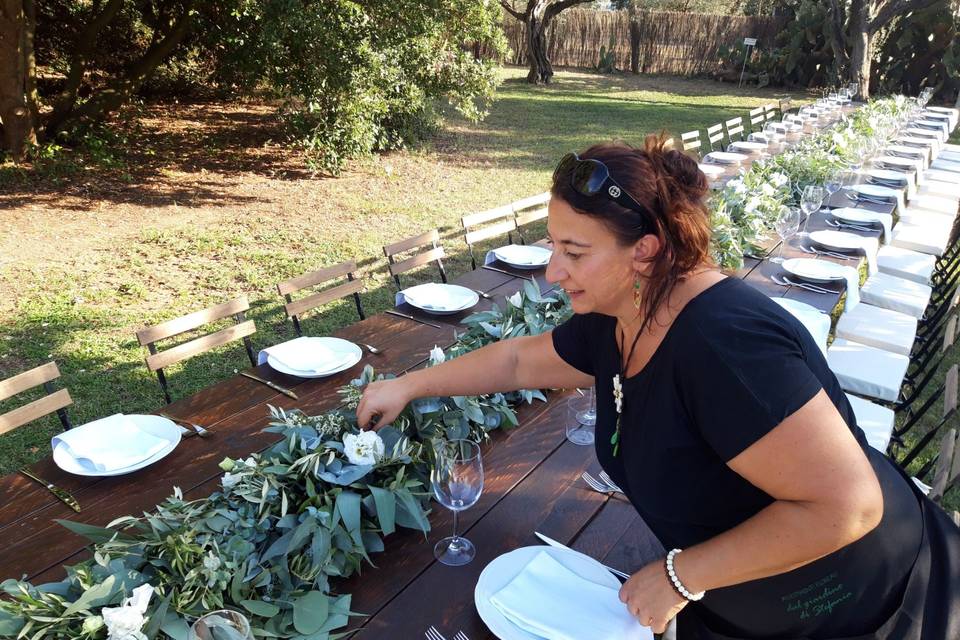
(297, 307)
(199, 345)
(175, 327)
(28, 380)
(770, 111)
(314, 278)
(715, 134)
(757, 117)
(33, 410)
(418, 260)
(481, 217)
(734, 127)
(432, 236)
(950, 335)
(531, 209)
(485, 233)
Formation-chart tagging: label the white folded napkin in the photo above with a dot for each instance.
(109, 444)
(552, 602)
(304, 354)
(431, 296)
(817, 323)
(852, 276)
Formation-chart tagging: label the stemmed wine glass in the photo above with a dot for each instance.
(457, 482)
(786, 225)
(221, 625)
(810, 201)
(833, 183)
(588, 416)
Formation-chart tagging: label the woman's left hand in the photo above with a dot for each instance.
(650, 597)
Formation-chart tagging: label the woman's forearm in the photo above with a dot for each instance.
(486, 370)
(781, 537)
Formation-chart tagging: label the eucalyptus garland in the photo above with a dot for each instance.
(284, 523)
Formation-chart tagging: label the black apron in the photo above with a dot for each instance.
(928, 603)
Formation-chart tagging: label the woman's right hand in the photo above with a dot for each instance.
(382, 402)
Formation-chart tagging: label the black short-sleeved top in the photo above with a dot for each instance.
(732, 367)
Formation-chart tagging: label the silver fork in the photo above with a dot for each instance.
(846, 225)
(433, 634)
(483, 294)
(789, 283)
(460, 636)
(595, 484)
(815, 252)
(609, 481)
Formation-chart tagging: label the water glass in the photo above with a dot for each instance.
(786, 225)
(581, 418)
(833, 182)
(221, 625)
(457, 482)
(810, 201)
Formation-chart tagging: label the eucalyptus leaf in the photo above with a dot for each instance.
(310, 611)
(260, 608)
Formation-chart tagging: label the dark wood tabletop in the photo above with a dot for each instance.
(532, 477)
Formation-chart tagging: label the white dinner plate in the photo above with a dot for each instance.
(345, 355)
(725, 157)
(812, 269)
(858, 216)
(875, 191)
(897, 162)
(886, 174)
(523, 256)
(157, 426)
(837, 240)
(748, 145)
(441, 299)
(505, 568)
(712, 170)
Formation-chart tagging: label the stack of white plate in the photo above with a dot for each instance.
(724, 157)
(523, 256)
(440, 299)
(310, 357)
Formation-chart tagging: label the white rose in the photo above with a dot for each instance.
(124, 622)
(229, 480)
(516, 300)
(365, 448)
(436, 355)
(768, 189)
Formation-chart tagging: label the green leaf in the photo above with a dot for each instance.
(156, 618)
(260, 608)
(348, 506)
(386, 509)
(10, 625)
(97, 535)
(96, 596)
(310, 611)
(409, 512)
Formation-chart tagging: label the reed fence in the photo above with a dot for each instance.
(673, 43)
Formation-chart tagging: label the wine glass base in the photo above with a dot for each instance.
(454, 552)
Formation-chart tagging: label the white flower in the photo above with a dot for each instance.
(768, 189)
(618, 393)
(211, 562)
(124, 622)
(779, 179)
(436, 355)
(250, 461)
(364, 448)
(516, 300)
(229, 480)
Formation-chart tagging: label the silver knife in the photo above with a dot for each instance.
(558, 545)
(61, 495)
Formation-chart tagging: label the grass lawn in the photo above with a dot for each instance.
(194, 204)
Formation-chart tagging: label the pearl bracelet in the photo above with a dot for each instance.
(672, 574)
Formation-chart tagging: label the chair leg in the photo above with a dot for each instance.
(163, 385)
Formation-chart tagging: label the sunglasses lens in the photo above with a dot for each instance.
(588, 176)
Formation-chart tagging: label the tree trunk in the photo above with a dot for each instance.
(634, 39)
(17, 87)
(860, 40)
(540, 68)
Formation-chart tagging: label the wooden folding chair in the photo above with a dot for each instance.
(769, 111)
(947, 391)
(734, 127)
(757, 118)
(157, 360)
(691, 142)
(785, 105)
(433, 254)
(484, 225)
(295, 308)
(530, 209)
(55, 400)
(714, 135)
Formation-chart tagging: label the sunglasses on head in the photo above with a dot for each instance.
(592, 178)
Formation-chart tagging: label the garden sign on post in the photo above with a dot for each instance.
(749, 42)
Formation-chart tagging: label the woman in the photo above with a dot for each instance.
(719, 418)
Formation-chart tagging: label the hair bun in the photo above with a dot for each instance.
(685, 171)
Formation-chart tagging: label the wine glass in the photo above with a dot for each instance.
(221, 625)
(457, 482)
(786, 225)
(810, 201)
(833, 183)
(588, 416)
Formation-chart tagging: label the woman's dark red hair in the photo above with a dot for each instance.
(672, 189)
